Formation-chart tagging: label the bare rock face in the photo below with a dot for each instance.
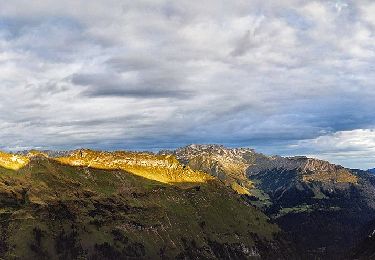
(186, 153)
(306, 169)
(318, 170)
(229, 165)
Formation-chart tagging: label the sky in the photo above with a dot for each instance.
(286, 77)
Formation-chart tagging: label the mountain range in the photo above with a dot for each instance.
(324, 208)
(195, 202)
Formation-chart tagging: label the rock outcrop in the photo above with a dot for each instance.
(229, 165)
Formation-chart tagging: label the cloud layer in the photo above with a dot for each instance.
(274, 75)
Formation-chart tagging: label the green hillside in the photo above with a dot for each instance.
(50, 210)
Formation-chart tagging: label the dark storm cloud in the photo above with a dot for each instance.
(149, 86)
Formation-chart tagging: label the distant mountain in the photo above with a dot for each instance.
(371, 170)
(229, 165)
(122, 205)
(322, 206)
(49, 153)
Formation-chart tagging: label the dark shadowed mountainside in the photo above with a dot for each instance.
(323, 207)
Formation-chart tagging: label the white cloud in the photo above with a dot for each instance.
(345, 140)
(117, 74)
(367, 12)
(355, 148)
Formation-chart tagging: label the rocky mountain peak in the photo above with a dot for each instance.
(319, 170)
(35, 153)
(190, 151)
(228, 164)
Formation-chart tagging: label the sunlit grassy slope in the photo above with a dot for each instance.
(50, 209)
(162, 168)
(13, 162)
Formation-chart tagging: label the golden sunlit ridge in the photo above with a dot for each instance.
(161, 168)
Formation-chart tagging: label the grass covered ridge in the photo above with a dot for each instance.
(54, 210)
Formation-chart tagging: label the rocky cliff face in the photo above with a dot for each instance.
(307, 169)
(323, 171)
(229, 165)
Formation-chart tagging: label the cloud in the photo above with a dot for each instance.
(355, 147)
(130, 85)
(160, 74)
